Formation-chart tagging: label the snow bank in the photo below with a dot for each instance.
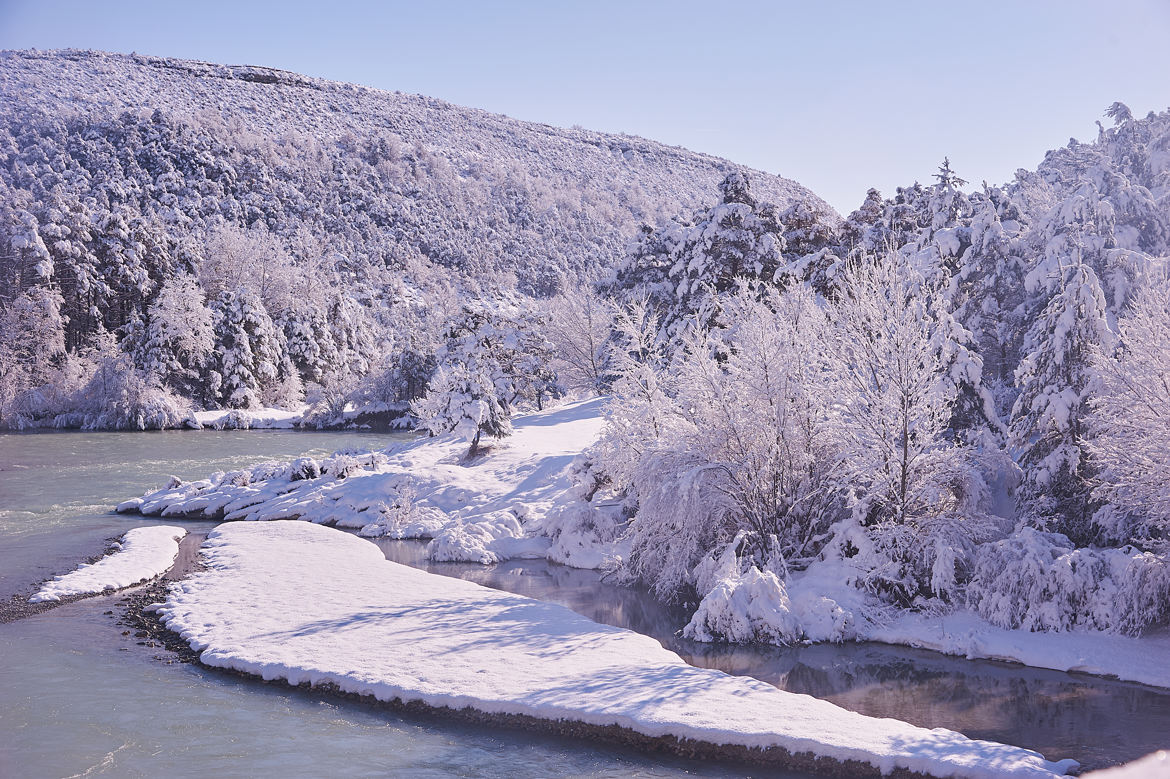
(257, 419)
(824, 603)
(489, 509)
(143, 553)
(1145, 660)
(1155, 766)
(306, 604)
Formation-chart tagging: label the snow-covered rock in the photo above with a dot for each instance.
(306, 604)
(143, 553)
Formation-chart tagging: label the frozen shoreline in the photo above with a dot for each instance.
(374, 628)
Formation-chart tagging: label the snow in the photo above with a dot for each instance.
(488, 509)
(143, 553)
(307, 604)
(1153, 766)
(1145, 660)
(517, 500)
(823, 603)
(256, 419)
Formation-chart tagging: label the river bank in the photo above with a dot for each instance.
(75, 654)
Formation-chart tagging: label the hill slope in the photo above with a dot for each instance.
(509, 194)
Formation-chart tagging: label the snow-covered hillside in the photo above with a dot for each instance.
(308, 233)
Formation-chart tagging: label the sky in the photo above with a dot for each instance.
(838, 95)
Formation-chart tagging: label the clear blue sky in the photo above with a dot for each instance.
(840, 96)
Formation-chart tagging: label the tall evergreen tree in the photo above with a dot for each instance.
(1054, 382)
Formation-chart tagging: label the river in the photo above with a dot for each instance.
(77, 697)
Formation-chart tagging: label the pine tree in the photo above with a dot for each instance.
(684, 269)
(1054, 381)
(470, 393)
(252, 367)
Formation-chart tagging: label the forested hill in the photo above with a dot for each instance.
(380, 175)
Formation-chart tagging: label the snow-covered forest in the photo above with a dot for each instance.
(176, 235)
(955, 396)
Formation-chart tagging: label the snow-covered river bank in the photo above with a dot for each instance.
(78, 694)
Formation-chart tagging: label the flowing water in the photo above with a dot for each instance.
(77, 697)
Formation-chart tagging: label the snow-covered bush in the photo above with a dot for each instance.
(406, 517)
(471, 540)
(748, 600)
(587, 534)
(343, 464)
(304, 468)
(749, 606)
(235, 419)
(118, 397)
(1038, 581)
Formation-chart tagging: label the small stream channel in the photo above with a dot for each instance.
(79, 698)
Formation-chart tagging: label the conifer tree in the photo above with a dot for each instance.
(1054, 382)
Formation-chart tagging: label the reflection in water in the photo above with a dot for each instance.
(1095, 721)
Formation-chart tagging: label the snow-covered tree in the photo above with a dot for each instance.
(1129, 424)
(32, 346)
(252, 368)
(579, 329)
(987, 292)
(117, 396)
(1054, 380)
(177, 339)
(463, 399)
(684, 269)
(916, 494)
(747, 453)
(491, 361)
(640, 409)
